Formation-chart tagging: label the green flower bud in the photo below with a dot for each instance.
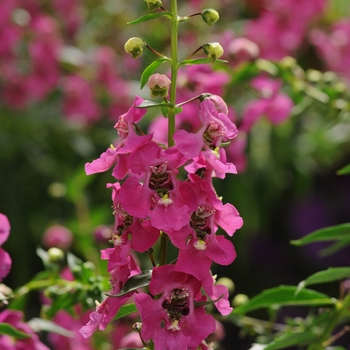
(153, 4)
(240, 299)
(56, 255)
(135, 46)
(213, 51)
(210, 16)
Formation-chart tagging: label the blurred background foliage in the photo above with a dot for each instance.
(65, 79)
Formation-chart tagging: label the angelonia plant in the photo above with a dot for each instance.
(164, 194)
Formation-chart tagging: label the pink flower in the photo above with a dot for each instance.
(57, 236)
(129, 143)
(5, 259)
(172, 320)
(14, 318)
(334, 47)
(153, 190)
(73, 324)
(106, 311)
(128, 232)
(216, 128)
(199, 245)
(79, 103)
(273, 104)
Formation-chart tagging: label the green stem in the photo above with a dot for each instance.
(171, 117)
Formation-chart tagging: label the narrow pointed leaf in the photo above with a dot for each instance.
(344, 171)
(329, 275)
(152, 104)
(149, 70)
(7, 329)
(39, 324)
(334, 247)
(284, 296)
(125, 310)
(290, 339)
(151, 16)
(135, 282)
(332, 233)
(199, 61)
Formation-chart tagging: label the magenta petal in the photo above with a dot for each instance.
(228, 219)
(199, 326)
(151, 314)
(221, 250)
(4, 228)
(135, 198)
(169, 217)
(5, 264)
(189, 144)
(193, 261)
(103, 163)
(90, 328)
(166, 340)
(143, 235)
(253, 111)
(279, 108)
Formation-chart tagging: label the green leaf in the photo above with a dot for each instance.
(284, 296)
(290, 339)
(151, 16)
(199, 61)
(135, 282)
(329, 275)
(151, 104)
(345, 170)
(332, 233)
(125, 310)
(149, 70)
(7, 329)
(39, 324)
(334, 247)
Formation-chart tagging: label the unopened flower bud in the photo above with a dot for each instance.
(159, 85)
(243, 49)
(219, 103)
(135, 46)
(58, 236)
(137, 327)
(153, 4)
(55, 255)
(240, 299)
(213, 51)
(210, 16)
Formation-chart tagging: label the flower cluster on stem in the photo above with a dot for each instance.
(166, 192)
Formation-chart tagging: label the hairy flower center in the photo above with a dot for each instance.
(199, 222)
(126, 221)
(160, 180)
(176, 305)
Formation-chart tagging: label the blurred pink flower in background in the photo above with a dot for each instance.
(282, 25)
(5, 260)
(79, 105)
(14, 318)
(273, 104)
(334, 47)
(57, 236)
